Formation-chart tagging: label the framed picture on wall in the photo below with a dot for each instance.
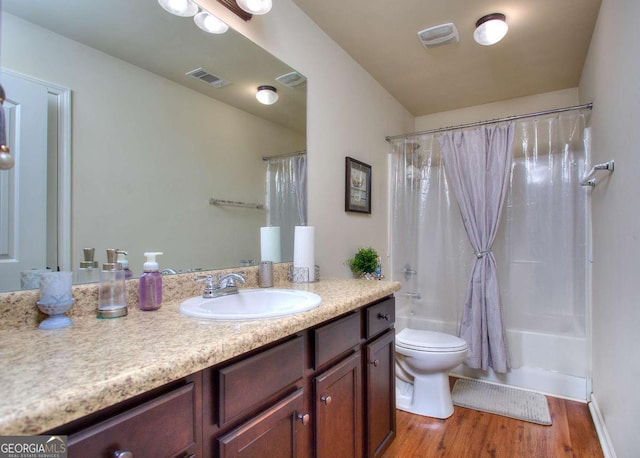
(357, 196)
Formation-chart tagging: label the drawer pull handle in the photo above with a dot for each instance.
(303, 418)
(375, 362)
(326, 400)
(385, 317)
(122, 454)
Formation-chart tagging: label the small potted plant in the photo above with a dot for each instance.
(365, 264)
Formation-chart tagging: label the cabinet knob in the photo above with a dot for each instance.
(385, 317)
(122, 454)
(303, 418)
(326, 399)
(375, 362)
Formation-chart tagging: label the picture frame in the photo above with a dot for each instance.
(357, 196)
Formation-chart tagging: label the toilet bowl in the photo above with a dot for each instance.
(423, 362)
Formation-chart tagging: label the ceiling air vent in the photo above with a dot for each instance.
(207, 77)
(292, 79)
(439, 35)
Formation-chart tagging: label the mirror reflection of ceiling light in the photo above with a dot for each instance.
(490, 29)
(203, 19)
(209, 23)
(184, 8)
(255, 6)
(267, 95)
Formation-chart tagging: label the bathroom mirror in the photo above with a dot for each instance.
(149, 144)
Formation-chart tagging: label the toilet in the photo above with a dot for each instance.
(423, 362)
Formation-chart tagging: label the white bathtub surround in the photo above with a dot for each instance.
(541, 251)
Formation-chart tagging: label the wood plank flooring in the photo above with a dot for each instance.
(469, 433)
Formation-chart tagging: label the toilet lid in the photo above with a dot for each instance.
(415, 339)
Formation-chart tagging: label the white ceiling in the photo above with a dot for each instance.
(544, 50)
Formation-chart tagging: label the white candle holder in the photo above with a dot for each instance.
(55, 299)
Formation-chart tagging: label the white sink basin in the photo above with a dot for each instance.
(250, 304)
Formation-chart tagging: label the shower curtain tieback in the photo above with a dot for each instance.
(477, 163)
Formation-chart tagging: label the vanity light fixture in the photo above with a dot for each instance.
(210, 23)
(267, 95)
(490, 29)
(203, 19)
(184, 8)
(255, 6)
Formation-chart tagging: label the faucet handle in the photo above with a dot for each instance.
(209, 286)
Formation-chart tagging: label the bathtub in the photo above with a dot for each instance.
(554, 362)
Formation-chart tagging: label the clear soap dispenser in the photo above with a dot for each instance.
(150, 287)
(88, 272)
(112, 298)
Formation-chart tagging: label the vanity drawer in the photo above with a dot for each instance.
(334, 339)
(241, 391)
(380, 317)
(164, 426)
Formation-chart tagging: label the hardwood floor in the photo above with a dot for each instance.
(469, 433)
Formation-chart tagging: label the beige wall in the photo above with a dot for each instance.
(145, 148)
(611, 79)
(349, 114)
(517, 106)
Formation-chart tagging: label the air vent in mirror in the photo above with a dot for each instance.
(207, 77)
(292, 79)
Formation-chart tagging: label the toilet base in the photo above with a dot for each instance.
(429, 396)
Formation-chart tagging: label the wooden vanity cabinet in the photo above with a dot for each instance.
(327, 391)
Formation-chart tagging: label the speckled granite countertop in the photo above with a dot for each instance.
(48, 378)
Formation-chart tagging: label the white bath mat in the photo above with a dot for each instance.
(501, 400)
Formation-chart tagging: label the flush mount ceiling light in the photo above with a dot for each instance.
(490, 29)
(209, 23)
(184, 8)
(267, 95)
(255, 6)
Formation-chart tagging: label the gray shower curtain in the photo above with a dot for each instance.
(477, 163)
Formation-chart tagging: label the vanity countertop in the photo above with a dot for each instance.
(48, 378)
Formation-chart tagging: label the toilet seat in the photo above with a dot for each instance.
(429, 341)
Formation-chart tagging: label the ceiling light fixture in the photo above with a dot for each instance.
(209, 23)
(267, 95)
(255, 6)
(490, 29)
(184, 8)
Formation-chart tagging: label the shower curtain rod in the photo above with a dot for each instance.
(282, 156)
(586, 106)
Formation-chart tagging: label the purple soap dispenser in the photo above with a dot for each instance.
(150, 287)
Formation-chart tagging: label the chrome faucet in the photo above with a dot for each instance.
(226, 284)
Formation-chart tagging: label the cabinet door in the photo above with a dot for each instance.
(380, 393)
(273, 433)
(163, 427)
(338, 401)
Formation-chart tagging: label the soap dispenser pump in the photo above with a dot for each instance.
(112, 302)
(150, 287)
(122, 259)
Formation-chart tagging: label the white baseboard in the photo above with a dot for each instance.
(601, 429)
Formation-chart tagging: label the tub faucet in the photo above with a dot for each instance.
(222, 285)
